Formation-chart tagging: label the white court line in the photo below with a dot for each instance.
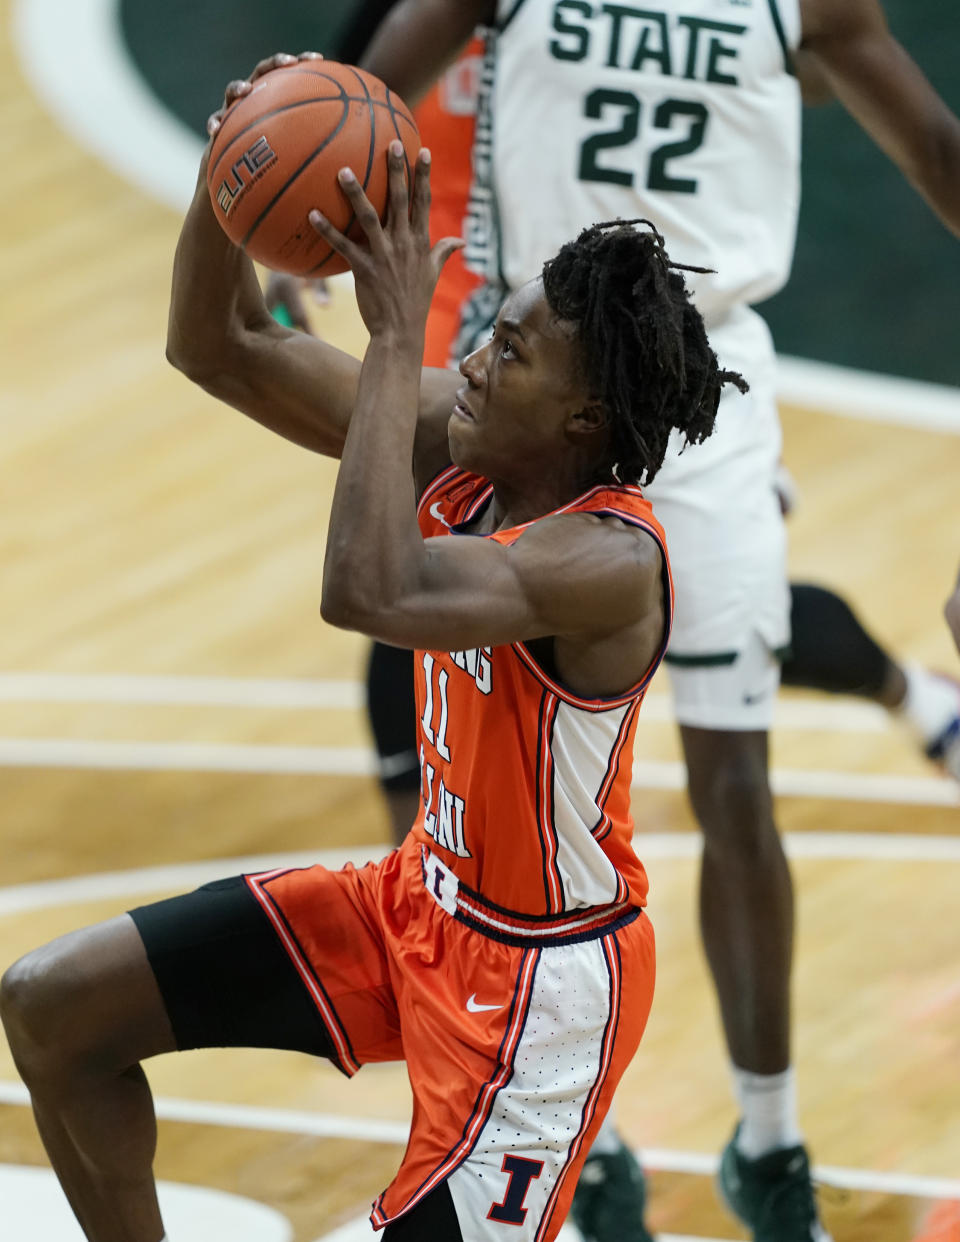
(75, 58)
(104, 886)
(255, 692)
(186, 757)
(360, 761)
(327, 1125)
(815, 713)
(868, 395)
(360, 1230)
(142, 881)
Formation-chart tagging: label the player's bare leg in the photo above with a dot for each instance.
(746, 917)
(746, 894)
(80, 1014)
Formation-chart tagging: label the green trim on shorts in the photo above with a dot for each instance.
(712, 659)
(717, 659)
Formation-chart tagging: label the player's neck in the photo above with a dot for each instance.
(512, 507)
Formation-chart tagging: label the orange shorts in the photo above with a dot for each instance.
(515, 1030)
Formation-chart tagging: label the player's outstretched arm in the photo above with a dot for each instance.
(884, 89)
(223, 337)
(418, 39)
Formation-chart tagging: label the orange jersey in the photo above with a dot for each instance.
(446, 119)
(526, 786)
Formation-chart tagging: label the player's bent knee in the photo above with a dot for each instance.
(54, 1004)
(732, 802)
(34, 1008)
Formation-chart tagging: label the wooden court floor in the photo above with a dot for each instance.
(170, 701)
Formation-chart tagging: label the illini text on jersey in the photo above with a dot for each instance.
(444, 810)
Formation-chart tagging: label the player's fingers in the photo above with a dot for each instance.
(235, 90)
(398, 197)
(277, 61)
(420, 209)
(442, 251)
(363, 209)
(310, 56)
(353, 253)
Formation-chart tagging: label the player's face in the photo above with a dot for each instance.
(523, 388)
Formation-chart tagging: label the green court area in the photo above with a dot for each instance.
(875, 278)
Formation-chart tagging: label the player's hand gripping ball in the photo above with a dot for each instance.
(279, 147)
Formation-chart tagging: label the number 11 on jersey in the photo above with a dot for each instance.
(444, 811)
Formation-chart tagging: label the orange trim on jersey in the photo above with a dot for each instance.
(347, 1062)
(605, 823)
(487, 1097)
(552, 881)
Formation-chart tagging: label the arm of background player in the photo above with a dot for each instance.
(952, 613)
(883, 88)
(222, 336)
(418, 39)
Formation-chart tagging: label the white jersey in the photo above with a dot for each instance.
(681, 111)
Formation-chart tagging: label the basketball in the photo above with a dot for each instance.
(277, 153)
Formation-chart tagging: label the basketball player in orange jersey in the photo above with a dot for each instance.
(493, 521)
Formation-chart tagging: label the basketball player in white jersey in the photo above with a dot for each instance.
(688, 112)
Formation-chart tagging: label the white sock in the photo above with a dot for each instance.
(768, 1111)
(608, 1140)
(930, 703)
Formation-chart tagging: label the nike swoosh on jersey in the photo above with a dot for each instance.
(474, 1007)
(435, 512)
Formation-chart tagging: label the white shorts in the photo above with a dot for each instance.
(734, 696)
(727, 542)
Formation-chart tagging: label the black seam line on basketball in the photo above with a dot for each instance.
(396, 129)
(318, 267)
(256, 124)
(292, 178)
(375, 103)
(371, 146)
(317, 270)
(300, 103)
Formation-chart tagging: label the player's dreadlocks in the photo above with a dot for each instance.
(646, 353)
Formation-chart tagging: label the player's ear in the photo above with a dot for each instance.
(591, 417)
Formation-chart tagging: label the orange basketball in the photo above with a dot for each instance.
(277, 153)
